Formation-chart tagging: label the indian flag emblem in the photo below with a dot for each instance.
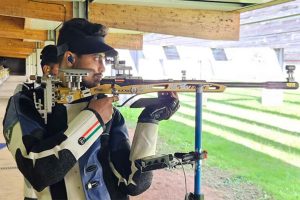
(89, 133)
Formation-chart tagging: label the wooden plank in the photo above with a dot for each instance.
(11, 22)
(27, 23)
(12, 55)
(13, 43)
(55, 11)
(216, 25)
(228, 5)
(125, 41)
(35, 35)
(17, 50)
(12, 27)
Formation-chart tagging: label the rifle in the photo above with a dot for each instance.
(124, 84)
(128, 84)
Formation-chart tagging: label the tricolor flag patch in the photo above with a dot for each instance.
(89, 133)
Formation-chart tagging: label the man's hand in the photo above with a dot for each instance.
(103, 107)
(161, 111)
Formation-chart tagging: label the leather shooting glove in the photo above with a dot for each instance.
(163, 109)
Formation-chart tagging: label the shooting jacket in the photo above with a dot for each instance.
(72, 156)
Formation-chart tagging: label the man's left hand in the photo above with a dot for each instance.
(161, 111)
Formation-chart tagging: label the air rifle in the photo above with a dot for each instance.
(128, 84)
(124, 83)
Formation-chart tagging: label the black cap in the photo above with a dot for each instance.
(85, 45)
(82, 37)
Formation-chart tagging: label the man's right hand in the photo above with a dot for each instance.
(103, 107)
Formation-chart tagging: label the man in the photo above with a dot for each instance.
(83, 152)
(49, 64)
(49, 61)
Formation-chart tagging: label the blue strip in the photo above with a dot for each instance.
(2, 145)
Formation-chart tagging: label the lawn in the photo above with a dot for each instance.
(278, 176)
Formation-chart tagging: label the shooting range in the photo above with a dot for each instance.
(235, 65)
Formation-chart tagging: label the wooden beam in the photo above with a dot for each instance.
(55, 11)
(12, 55)
(216, 25)
(11, 22)
(15, 43)
(17, 53)
(125, 41)
(27, 23)
(11, 27)
(35, 35)
(17, 50)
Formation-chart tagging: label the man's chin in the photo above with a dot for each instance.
(89, 84)
(97, 80)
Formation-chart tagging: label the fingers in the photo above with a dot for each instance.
(112, 99)
(103, 107)
(115, 98)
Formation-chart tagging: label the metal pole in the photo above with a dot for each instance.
(198, 141)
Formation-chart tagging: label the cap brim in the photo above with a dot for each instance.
(90, 45)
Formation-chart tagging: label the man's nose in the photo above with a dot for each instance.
(101, 67)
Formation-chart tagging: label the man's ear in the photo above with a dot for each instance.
(46, 69)
(69, 57)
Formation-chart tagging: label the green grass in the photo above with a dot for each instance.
(277, 178)
(255, 105)
(247, 101)
(231, 116)
(246, 134)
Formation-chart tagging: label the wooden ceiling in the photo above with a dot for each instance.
(277, 27)
(26, 24)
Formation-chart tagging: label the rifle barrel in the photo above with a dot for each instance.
(267, 85)
(140, 81)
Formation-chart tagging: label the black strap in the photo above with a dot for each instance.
(105, 135)
(98, 117)
(58, 190)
